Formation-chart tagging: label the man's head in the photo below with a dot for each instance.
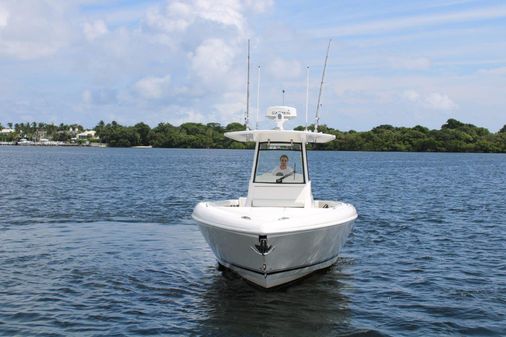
(283, 160)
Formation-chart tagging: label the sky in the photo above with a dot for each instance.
(403, 63)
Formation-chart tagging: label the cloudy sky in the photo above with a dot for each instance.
(391, 62)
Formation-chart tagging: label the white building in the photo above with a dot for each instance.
(5, 131)
(86, 134)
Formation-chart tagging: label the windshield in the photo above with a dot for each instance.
(279, 163)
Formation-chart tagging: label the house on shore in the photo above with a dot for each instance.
(7, 131)
(86, 134)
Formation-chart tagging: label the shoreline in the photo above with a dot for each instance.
(100, 145)
(52, 144)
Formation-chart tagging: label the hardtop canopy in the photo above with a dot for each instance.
(280, 136)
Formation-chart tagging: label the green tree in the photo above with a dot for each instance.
(235, 127)
(452, 124)
(143, 130)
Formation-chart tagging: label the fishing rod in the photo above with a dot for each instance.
(246, 117)
(258, 96)
(317, 117)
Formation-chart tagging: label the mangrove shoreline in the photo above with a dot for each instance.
(453, 136)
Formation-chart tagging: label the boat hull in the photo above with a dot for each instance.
(270, 260)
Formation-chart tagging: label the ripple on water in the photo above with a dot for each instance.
(99, 242)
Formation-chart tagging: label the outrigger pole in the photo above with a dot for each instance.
(246, 117)
(317, 117)
(307, 94)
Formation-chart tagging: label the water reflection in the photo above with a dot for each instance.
(314, 305)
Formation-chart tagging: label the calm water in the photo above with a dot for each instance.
(100, 242)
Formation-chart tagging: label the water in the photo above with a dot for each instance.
(100, 242)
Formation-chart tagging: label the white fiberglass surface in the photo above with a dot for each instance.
(279, 163)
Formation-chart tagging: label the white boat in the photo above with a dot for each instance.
(278, 232)
(24, 141)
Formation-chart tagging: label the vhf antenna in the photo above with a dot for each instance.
(317, 117)
(246, 118)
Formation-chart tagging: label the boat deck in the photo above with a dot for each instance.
(229, 214)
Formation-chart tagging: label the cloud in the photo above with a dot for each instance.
(206, 44)
(178, 16)
(414, 63)
(177, 115)
(4, 17)
(123, 71)
(411, 95)
(212, 58)
(493, 71)
(439, 101)
(99, 96)
(190, 116)
(32, 30)
(225, 12)
(259, 5)
(434, 100)
(153, 87)
(284, 69)
(94, 29)
(232, 107)
(209, 35)
(408, 22)
(175, 17)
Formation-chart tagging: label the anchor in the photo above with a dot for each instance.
(263, 248)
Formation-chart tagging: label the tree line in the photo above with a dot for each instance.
(453, 136)
(36, 131)
(186, 135)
